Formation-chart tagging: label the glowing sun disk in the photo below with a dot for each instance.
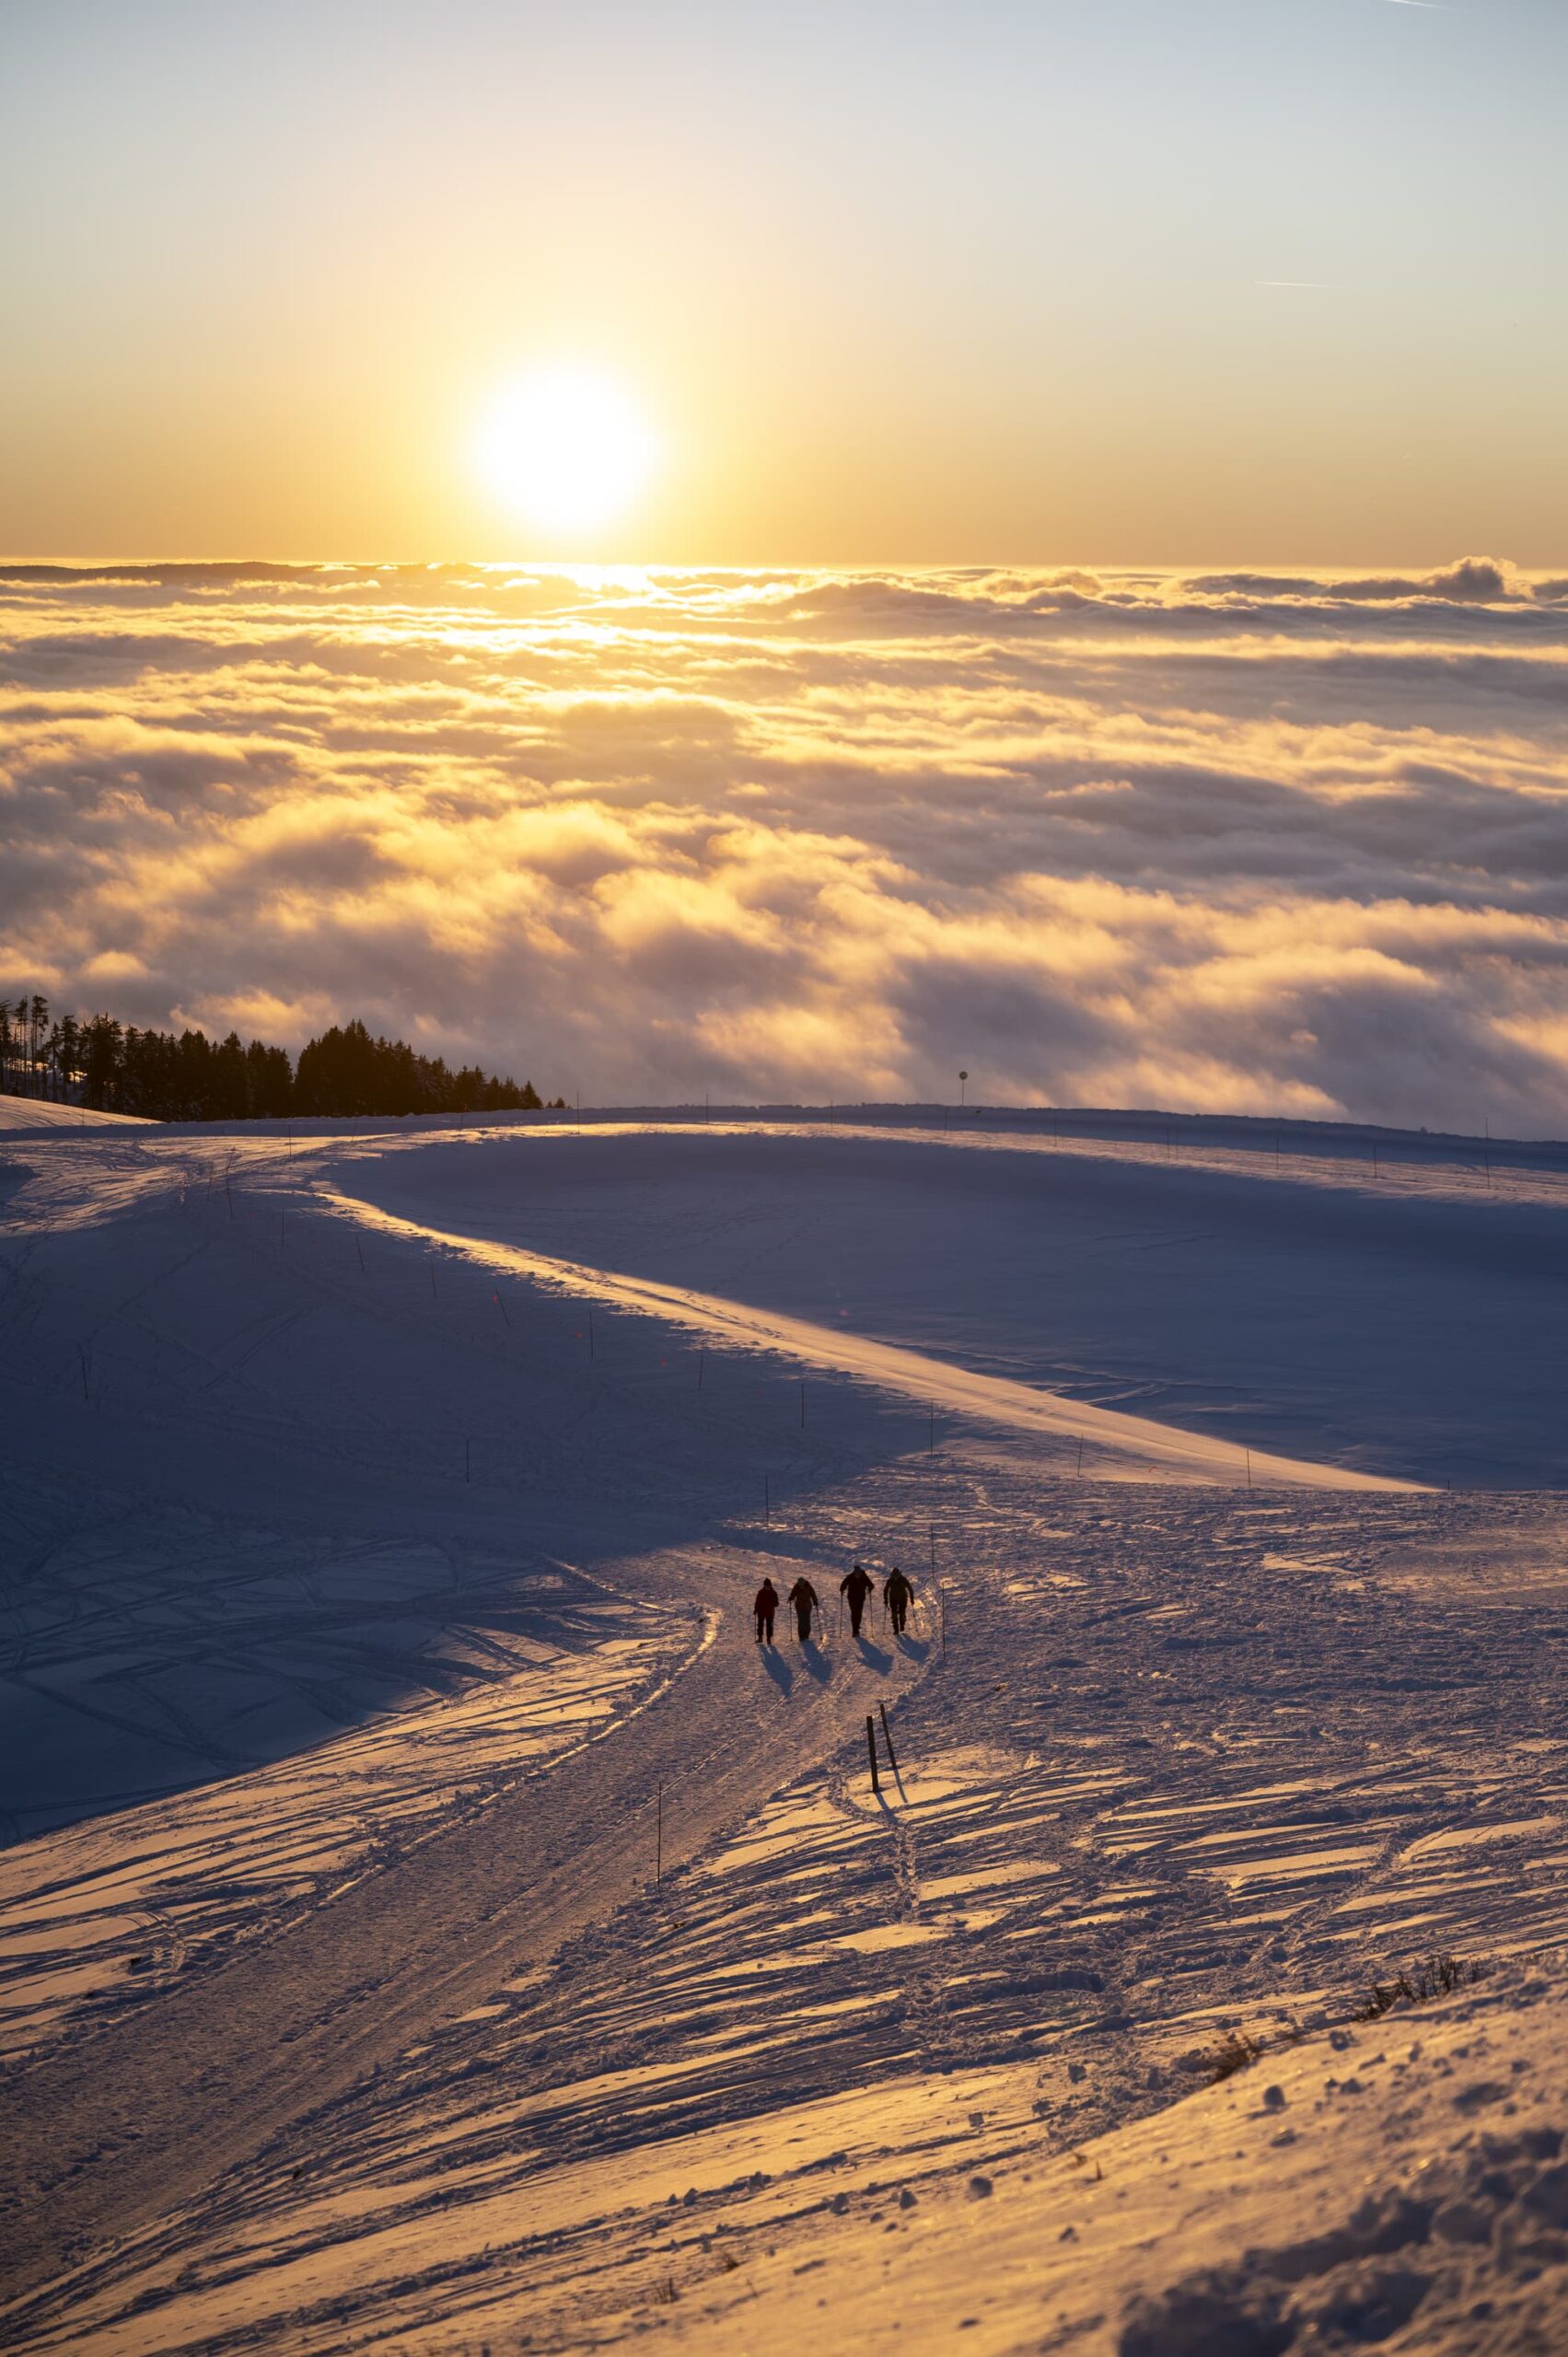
(564, 449)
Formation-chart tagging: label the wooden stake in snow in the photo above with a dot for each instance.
(888, 1739)
(502, 1307)
(360, 1249)
(871, 1751)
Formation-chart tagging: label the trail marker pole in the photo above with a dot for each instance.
(887, 1738)
(658, 1849)
(360, 1249)
(502, 1307)
(871, 1752)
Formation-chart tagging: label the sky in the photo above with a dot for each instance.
(905, 282)
(1222, 842)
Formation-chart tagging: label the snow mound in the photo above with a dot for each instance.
(23, 1115)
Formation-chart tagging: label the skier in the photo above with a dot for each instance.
(898, 1595)
(806, 1601)
(766, 1605)
(858, 1587)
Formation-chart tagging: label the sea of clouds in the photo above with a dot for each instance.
(1222, 842)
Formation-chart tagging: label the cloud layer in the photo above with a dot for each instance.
(1228, 842)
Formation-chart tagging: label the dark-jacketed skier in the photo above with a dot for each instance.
(766, 1605)
(806, 1601)
(858, 1587)
(898, 1595)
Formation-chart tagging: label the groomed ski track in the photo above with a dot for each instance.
(131, 2124)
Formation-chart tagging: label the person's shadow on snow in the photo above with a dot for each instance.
(873, 1656)
(913, 1648)
(778, 1669)
(815, 1662)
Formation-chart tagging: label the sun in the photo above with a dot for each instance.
(565, 449)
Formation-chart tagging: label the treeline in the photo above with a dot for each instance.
(114, 1068)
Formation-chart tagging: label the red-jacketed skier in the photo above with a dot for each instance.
(898, 1595)
(858, 1587)
(766, 1605)
(806, 1601)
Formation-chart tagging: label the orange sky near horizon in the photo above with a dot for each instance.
(1006, 283)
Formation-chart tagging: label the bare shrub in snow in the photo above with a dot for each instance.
(1233, 2054)
(1438, 1976)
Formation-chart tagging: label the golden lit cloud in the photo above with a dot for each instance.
(1226, 845)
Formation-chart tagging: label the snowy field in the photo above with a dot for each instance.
(429, 1924)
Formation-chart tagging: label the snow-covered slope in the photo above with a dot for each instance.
(22, 1114)
(440, 1919)
(1407, 1322)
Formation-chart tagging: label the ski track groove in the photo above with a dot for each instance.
(307, 1990)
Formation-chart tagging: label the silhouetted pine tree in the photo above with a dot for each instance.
(118, 1069)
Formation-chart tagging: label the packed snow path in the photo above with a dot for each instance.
(213, 2071)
